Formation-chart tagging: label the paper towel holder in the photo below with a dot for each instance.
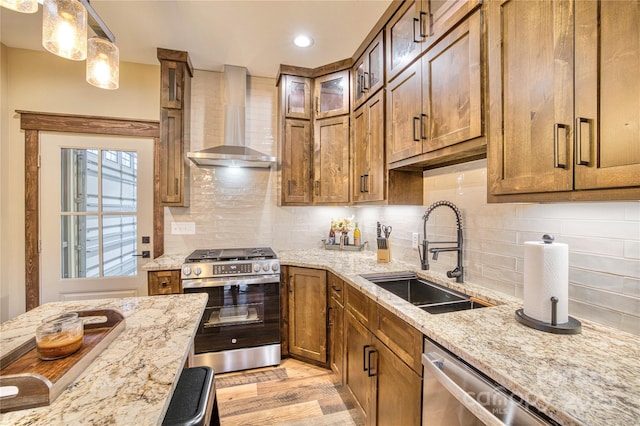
(572, 326)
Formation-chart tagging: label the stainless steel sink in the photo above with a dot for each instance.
(424, 294)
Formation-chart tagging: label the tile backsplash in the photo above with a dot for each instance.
(238, 207)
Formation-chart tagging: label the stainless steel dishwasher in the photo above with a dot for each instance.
(454, 394)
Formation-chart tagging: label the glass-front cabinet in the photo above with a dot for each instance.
(331, 95)
(368, 73)
(297, 101)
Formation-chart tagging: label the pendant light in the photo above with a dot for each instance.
(103, 63)
(64, 28)
(24, 6)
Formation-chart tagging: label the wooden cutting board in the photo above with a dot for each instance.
(39, 383)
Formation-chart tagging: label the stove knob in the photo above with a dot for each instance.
(265, 267)
(256, 267)
(186, 270)
(274, 267)
(197, 270)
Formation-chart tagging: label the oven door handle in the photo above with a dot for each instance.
(435, 364)
(221, 282)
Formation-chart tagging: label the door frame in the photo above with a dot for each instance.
(35, 122)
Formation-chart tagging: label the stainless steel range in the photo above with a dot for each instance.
(240, 328)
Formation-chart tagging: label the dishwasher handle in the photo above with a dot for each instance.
(434, 364)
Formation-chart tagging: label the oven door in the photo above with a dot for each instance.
(239, 314)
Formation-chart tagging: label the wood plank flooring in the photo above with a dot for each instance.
(292, 394)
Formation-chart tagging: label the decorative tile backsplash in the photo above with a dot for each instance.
(238, 207)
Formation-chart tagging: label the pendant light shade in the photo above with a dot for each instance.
(64, 28)
(103, 63)
(24, 6)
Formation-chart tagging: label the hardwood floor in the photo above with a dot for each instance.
(293, 394)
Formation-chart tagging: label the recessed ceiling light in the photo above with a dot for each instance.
(303, 41)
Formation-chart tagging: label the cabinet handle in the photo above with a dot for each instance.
(556, 148)
(415, 138)
(362, 88)
(578, 154)
(290, 284)
(422, 118)
(366, 183)
(176, 185)
(427, 32)
(289, 104)
(364, 357)
(364, 81)
(317, 108)
(372, 351)
(336, 288)
(289, 187)
(317, 185)
(329, 323)
(415, 21)
(163, 283)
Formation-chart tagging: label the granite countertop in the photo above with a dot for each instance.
(592, 378)
(133, 379)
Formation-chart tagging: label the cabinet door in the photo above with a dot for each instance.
(308, 313)
(452, 91)
(331, 94)
(368, 72)
(405, 32)
(399, 390)
(404, 115)
(297, 101)
(336, 336)
(172, 84)
(607, 119)
(360, 152)
(374, 180)
(164, 282)
(296, 162)
(331, 160)
(171, 157)
(531, 88)
(358, 81)
(358, 376)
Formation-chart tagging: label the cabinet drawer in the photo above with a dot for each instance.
(359, 305)
(164, 282)
(404, 340)
(336, 288)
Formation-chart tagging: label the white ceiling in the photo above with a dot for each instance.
(255, 34)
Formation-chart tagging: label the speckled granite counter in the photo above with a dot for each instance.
(131, 382)
(592, 378)
(165, 262)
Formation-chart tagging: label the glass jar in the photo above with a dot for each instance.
(59, 336)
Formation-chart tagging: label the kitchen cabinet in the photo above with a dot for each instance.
(331, 161)
(297, 93)
(416, 26)
(435, 106)
(336, 325)
(296, 162)
(542, 62)
(164, 282)
(172, 166)
(368, 73)
(382, 362)
(331, 95)
(307, 316)
(367, 151)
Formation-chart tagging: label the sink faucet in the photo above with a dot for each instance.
(458, 272)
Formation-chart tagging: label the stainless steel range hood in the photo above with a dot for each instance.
(233, 153)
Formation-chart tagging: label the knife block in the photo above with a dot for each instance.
(384, 255)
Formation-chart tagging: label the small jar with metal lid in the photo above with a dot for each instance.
(59, 336)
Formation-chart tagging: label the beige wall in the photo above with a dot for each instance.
(40, 81)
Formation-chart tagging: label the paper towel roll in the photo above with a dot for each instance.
(546, 275)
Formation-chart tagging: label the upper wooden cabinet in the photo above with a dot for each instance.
(297, 152)
(297, 94)
(538, 145)
(331, 95)
(172, 165)
(417, 25)
(367, 151)
(368, 73)
(435, 106)
(331, 160)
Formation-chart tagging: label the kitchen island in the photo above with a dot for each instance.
(131, 382)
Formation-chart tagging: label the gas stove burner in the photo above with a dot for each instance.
(229, 254)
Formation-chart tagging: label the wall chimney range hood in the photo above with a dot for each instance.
(233, 153)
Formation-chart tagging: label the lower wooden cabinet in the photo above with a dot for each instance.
(307, 319)
(164, 282)
(336, 326)
(382, 363)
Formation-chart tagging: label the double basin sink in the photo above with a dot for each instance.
(424, 294)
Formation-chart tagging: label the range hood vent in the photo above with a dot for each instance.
(233, 153)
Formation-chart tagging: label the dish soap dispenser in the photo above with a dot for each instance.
(357, 239)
